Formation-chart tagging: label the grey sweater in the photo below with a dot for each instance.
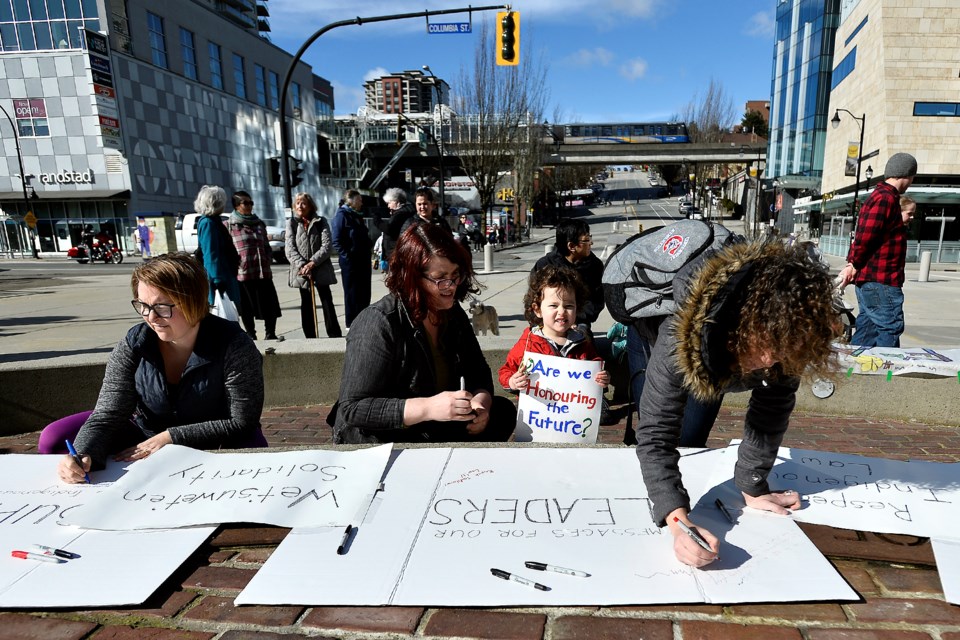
(217, 402)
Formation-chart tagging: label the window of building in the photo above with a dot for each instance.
(189, 53)
(239, 80)
(260, 79)
(216, 65)
(854, 33)
(295, 100)
(936, 109)
(31, 116)
(845, 68)
(274, 91)
(158, 42)
(32, 25)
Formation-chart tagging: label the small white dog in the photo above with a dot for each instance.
(484, 318)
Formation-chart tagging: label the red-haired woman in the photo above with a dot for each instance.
(413, 370)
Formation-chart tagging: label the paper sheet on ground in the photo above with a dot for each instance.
(180, 487)
(305, 568)
(863, 493)
(884, 360)
(125, 567)
(579, 508)
(562, 403)
(947, 553)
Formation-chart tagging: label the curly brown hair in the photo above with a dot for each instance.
(558, 278)
(787, 309)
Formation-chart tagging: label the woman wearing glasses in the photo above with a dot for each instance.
(258, 296)
(413, 370)
(182, 376)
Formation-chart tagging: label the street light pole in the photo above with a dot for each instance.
(23, 182)
(756, 207)
(862, 123)
(439, 136)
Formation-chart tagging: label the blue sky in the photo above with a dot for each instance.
(607, 60)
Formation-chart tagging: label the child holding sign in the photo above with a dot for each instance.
(550, 306)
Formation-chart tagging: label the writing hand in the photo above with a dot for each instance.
(69, 472)
(452, 405)
(781, 502)
(685, 548)
(145, 448)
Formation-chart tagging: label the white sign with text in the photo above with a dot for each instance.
(562, 403)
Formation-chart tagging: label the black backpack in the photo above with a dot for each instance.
(638, 276)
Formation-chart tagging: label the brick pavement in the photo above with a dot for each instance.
(895, 575)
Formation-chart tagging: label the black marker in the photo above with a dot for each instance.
(723, 510)
(506, 575)
(540, 566)
(693, 534)
(342, 549)
(50, 551)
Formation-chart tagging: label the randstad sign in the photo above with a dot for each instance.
(67, 177)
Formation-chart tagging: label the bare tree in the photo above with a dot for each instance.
(709, 115)
(497, 128)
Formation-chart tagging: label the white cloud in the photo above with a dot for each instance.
(634, 69)
(349, 97)
(590, 57)
(375, 73)
(761, 25)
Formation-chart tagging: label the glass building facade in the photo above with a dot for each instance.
(800, 92)
(45, 25)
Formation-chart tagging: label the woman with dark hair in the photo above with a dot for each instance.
(413, 370)
(425, 202)
(182, 376)
(258, 296)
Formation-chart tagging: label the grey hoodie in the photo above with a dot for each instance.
(691, 356)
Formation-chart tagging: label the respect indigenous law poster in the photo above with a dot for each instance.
(562, 403)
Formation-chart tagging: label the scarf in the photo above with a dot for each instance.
(238, 218)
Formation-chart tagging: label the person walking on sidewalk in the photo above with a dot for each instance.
(877, 256)
(401, 210)
(352, 241)
(258, 296)
(308, 248)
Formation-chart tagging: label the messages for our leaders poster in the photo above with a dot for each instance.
(562, 403)
(125, 567)
(182, 487)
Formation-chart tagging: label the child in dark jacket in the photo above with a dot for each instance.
(550, 306)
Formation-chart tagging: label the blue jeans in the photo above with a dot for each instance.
(880, 320)
(698, 417)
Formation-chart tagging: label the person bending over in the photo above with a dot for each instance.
(751, 317)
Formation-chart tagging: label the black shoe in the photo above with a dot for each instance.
(252, 334)
(607, 416)
(273, 336)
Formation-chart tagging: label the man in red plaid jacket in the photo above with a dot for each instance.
(877, 256)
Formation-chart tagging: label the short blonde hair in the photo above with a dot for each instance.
(180, 276)
(306, 197)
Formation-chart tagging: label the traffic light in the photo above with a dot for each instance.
(273, 171)
(508, 38)
(296, 171)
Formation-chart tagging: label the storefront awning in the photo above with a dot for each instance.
(86, 194)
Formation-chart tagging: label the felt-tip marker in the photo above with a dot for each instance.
(27, 555)
(76, 458)
(506, 575)
(50, 551)
(693, 534)
(723, 510)
(342, 549)
(540, 566)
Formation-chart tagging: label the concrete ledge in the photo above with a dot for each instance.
(300, 372)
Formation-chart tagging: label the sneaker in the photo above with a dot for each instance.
(607, 416)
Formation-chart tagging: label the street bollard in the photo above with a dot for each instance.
(616, 226)
(925, 265)
(488, 258)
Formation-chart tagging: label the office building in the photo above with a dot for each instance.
(406, 92)
(127, 108)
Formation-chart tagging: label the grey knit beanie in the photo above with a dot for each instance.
(901, 165)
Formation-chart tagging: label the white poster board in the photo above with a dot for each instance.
(562, 403)
(180, 487)
(125, 567)
(862, 493)
(896, 361)
(947, 554)
(306, 568)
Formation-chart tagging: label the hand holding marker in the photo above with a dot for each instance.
(693, 534)
(76, 458)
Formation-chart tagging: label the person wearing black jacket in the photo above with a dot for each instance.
(401, 210)
(575, 251)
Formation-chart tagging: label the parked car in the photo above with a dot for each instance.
(187, 235)
(686, 208)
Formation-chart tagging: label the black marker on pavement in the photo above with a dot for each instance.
(342, 549)
(506, 575)
(693, 534)
(540, 566)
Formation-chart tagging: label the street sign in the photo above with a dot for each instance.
(449, 27)
(30, 219)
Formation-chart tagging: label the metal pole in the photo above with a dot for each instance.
(288, 77)
(23, 182)
(438, 139)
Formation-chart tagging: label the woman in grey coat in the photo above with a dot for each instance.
(308, 247)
